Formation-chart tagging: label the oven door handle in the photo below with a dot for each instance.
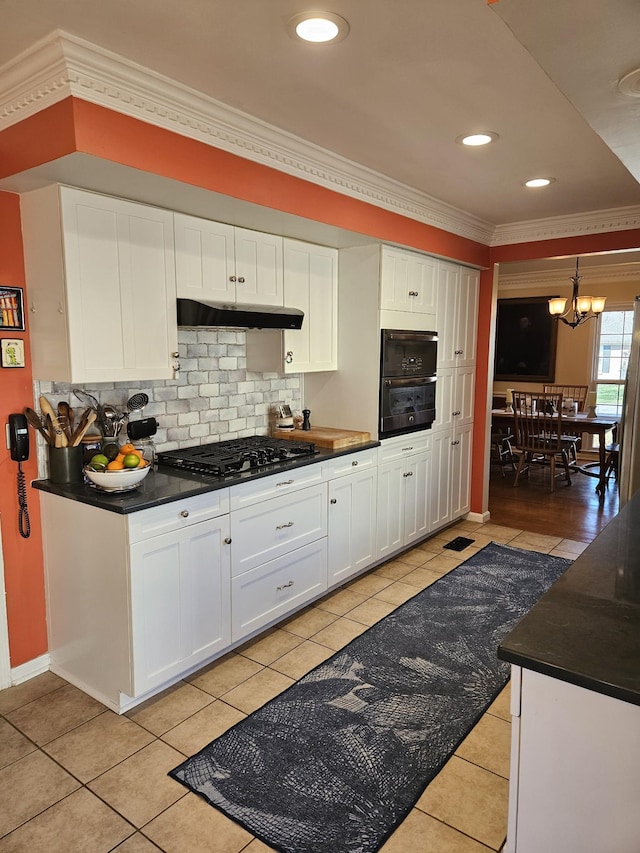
(413, 380)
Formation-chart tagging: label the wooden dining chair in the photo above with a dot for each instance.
(538, 433)
(577, 393)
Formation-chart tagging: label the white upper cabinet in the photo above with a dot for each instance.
(101, 287)
(457, 313)
(221, 263)
(408, 282)
(310, 284)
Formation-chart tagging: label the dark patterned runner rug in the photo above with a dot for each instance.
(336, 762)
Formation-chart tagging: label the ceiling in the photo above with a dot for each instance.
(409, 79)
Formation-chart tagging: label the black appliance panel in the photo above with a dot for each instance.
(406, 405)
(407, 353)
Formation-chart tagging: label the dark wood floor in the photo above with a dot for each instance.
(573, 512)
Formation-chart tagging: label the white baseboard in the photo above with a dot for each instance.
(479, 517)
(30, 669)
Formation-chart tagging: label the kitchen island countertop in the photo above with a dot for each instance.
(586, 629)
(167, 484)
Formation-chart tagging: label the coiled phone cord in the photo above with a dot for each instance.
(24, 524)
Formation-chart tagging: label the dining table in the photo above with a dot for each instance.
(579, 422)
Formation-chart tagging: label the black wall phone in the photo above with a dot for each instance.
(19, 449)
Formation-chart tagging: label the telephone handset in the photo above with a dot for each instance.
(18, 438)
(19, 449)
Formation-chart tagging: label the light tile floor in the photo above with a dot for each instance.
(74, 776)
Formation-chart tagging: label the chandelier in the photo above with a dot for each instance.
(582, 308)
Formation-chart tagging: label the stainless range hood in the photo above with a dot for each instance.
(204, 313)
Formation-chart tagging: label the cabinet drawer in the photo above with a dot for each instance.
(349, 464)
(404, 445)
(274, 589)
(272, 528)
(264, 488)
(177, 514)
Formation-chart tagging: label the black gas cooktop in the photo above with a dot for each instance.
(225, 458)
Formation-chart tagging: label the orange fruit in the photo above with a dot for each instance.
(126, 448)
(116, 465)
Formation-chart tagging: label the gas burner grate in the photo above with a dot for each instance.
(225, 458)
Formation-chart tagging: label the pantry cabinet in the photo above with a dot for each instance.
(404, 476)
(101, 287)
(457, 315)
(450, 482)
(310, 284)
(352, 492)
(221, 263)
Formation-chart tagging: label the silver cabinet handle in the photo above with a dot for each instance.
(232, 278)
(404, 449)
(240, 279)
(284, 483)
(176, 363)
(289, 357)
(285, 585)
(185, 513)
(227, 541)
(354, 463)
(333, 501)
(408, 474)
(455, 414)
(282, 526)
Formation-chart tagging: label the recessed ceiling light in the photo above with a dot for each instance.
(476, 139)
(318, 27)
(630, 84)
(539, 182)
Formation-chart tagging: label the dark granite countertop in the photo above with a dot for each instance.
(170, 484)
(586, 629)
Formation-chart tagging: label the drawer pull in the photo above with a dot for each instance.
(185, 513)
(404, 449)
(354, 463)
(408, 474)
(284, 483)
(333, 501)
(282, 526)
(227, 541)
(285, 586)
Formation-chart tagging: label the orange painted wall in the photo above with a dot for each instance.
(23, 563)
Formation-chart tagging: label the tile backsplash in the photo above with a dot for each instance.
(213, 397)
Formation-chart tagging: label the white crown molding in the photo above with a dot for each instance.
(595, 276)
(61, 65)
(579, 225)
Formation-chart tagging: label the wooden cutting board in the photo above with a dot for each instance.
(335, 439)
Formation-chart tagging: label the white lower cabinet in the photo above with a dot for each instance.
(450, 482)
(352, 524)
(270, 591)
(404, 474)
(180, 592)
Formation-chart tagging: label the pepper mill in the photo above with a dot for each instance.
(306, 425)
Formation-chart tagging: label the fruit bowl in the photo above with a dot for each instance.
(117, 481)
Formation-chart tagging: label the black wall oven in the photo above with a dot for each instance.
(407, 381)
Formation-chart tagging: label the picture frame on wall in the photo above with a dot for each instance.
(526, 339)
(12, 350)
(11, 309)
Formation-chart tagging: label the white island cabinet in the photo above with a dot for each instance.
(135, 601)
(101, 287)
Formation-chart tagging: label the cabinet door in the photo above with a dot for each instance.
(180, 601)
(417, 499)
(448, 288)
(460, 471)
(352, 524)
(311, 284)
(390, 521)
(440, 481)
(463, 396)
(407, 282)
(120, 281)
(258, 268)
(205, 264)
(467, 317)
